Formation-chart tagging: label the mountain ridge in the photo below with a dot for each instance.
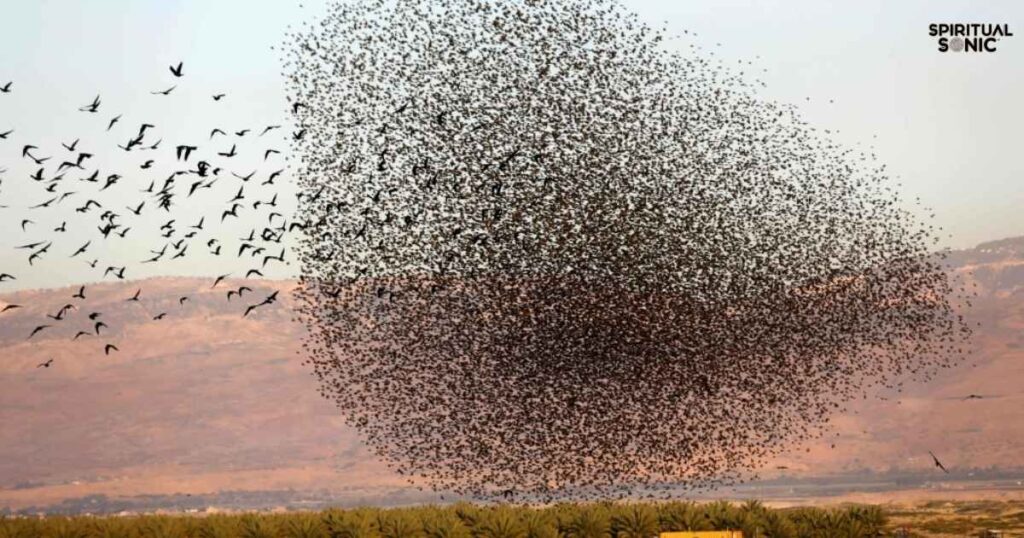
(206, 400)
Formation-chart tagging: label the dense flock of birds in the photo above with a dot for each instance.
(138, 203)
(541, 255)
(549, 257)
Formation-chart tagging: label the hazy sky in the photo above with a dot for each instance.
(946, 124)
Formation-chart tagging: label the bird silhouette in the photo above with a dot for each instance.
(92, 107)
(37, 330)
(938, 463)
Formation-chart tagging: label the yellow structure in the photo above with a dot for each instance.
(702, 534)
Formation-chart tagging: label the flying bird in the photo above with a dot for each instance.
(937, 462)
(92, 107)
(37, 330)
(183, 152)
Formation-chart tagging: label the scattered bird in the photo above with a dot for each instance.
(238, 292)
(184, 152)
(269, 300)
(937, 462)
(92, 107)
(37, 330)
(219, 279)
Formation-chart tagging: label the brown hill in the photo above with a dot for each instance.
(205, 400)
(201, 401)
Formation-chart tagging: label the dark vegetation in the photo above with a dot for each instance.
(601, 520)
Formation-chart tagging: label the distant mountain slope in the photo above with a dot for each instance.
(200, 401)
(205, 400)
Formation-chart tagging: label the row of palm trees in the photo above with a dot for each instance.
(567, 520)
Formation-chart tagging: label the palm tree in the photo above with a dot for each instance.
(468, 513)
(777, 525)
(108, 527)
(539, 524)
(304, 526)
(682, 516)
(635, 521)
(871, 516)
(589, 522)
(499, 523)
(349, 524)
(398, 524)
(254, 526)
(443, 524)
(214, 526)
(722, 516)
(68, 528)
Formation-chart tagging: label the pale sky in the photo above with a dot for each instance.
(946, 124)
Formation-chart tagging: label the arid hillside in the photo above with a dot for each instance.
(205, 400)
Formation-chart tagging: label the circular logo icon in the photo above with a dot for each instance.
(956, 44)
